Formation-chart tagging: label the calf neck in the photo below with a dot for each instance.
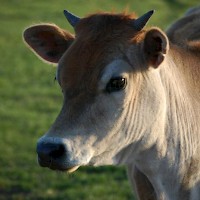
(171, 163)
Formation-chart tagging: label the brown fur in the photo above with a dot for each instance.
(48, 41)
(96, 41)
(99, 38)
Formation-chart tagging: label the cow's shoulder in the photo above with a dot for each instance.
(185, 32)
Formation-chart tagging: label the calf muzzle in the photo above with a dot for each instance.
(51, 155)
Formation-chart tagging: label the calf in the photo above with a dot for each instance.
(131, 97)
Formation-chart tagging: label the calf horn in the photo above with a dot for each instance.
(140, 23)
(72, 19)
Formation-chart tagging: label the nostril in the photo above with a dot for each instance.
(48, 151)
(59, 151)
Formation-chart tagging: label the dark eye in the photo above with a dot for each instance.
(116, 84)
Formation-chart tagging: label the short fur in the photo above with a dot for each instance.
(152, 126)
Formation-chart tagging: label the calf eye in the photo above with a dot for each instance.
(116, 84)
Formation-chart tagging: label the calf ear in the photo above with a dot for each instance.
(48, 41)
(156, 46)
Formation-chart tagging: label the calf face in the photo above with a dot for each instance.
(113, 95)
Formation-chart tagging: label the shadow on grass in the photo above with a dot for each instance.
(13, 192)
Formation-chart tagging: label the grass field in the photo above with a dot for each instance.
(30, 100)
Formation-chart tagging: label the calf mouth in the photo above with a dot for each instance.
(72, 169)
(55, 156)
(57, 165)
(67, 169)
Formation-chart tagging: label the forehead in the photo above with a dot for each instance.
(100, 38)
(106, 25)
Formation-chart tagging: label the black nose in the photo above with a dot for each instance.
(49, 152)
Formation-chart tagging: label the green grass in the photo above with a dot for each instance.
(30, 100)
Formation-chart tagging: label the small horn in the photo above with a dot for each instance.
(72, 19)
(140, 23)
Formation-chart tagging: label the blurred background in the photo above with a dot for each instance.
(30, 101)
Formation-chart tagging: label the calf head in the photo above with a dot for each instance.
(113, 96)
